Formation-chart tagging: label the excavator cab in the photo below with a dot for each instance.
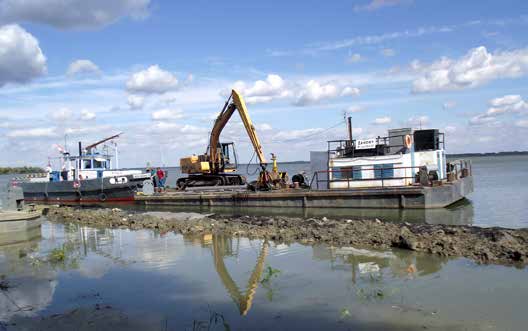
(228, 157)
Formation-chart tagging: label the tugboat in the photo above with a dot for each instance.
(92, 176)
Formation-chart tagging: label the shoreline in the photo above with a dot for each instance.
(483, 245)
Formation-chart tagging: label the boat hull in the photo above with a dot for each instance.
(99, 190)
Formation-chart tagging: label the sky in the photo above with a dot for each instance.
(160, 71)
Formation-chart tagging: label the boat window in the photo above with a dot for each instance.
(384, 170)
(99, 164)
(347, 173)
(87, 164)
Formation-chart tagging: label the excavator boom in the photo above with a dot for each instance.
(239, 104)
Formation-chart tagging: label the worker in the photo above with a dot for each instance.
(161, 179)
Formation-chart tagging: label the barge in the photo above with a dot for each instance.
(408, 169)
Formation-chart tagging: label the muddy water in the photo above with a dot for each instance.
(121, 279)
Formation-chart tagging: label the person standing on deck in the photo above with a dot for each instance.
(161, 178)
(153, 177)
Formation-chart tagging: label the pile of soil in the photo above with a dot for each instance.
(484, 245)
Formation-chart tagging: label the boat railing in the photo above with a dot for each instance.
(384, 146)
(456, 170)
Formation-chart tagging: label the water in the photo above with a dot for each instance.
(499, 199)
(148, 281)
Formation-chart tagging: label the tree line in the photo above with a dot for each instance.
(20, 170)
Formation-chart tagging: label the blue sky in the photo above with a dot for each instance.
(159, 71)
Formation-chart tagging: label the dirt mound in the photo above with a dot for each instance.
(484, 245)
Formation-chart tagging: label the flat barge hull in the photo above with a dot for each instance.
(413, 197)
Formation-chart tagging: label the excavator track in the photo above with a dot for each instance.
(211, 180)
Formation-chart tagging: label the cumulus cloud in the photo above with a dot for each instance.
(62, 114)
(82, 67)
(167, 114)
(21, 58)
(382, 120)
(33, 133)
(135, 101)
(450, 129)
(72, 14)
(274, 87)
(379, 4)
(152, 80)
(349, 91)
(87, 115)
(313, 92)
(475, 68)
(507, 104)
(263, 90)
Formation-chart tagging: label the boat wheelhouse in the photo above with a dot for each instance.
(394, 160)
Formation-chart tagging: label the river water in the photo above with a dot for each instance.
(117, 279)
(500, 197)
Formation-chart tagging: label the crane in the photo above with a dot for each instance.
(215, 167)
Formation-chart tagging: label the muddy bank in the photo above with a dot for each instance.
(484, 245)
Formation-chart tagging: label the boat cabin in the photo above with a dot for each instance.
(404, 157)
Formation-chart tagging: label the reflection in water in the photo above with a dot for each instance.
(222, 246)
(29, 287)
(391, 289)
(461, 213)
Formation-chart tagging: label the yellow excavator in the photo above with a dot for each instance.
(216, 166)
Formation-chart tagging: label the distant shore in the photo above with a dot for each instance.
(19, 170)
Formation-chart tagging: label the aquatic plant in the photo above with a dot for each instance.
(269, 274)
(344, 313)
(215, 319)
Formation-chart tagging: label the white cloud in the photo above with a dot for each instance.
(313, 92)
(350, 91)
(475, 68)
(135, 101)
(379, 4)
(21, 58)
(152, 80)
(71, 14)
(32, 133)
(522, 123)
(388, 52)
(62, 114)
(296, 134)
(354, 58)
(264, 127)
(382, 120)
(507, 104)
(167, 114)
(82, 67)
(481, 119)
(450, 129)
(87, 115)
(263, 90)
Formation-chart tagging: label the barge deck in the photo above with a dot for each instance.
(411, 197)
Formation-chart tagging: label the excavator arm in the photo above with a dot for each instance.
(239, 104)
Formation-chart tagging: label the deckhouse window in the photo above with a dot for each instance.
(384, 170)
(347, 172)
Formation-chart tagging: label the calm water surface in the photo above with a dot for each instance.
(170, 282)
